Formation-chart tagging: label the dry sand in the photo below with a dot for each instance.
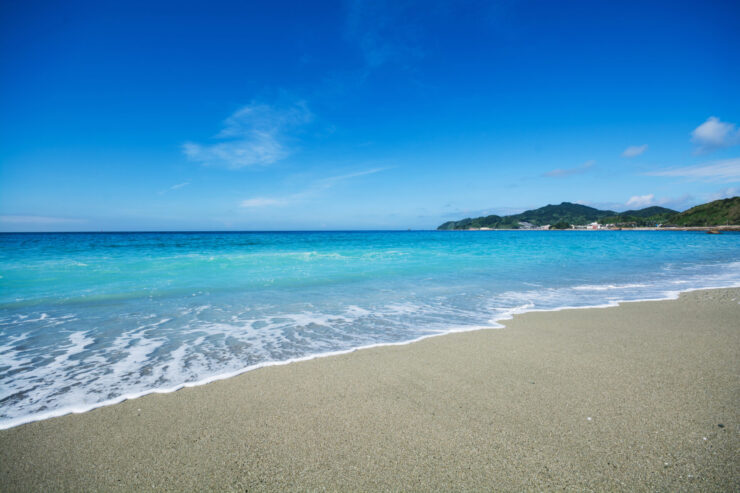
(645, 396)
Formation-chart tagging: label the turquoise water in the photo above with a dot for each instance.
(87, 319)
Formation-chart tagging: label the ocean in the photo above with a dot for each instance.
(89, 319)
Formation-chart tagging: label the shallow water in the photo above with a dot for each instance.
(93, 318)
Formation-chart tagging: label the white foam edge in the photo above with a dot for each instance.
(508, 315)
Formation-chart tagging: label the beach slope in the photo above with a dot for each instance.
(644, 396)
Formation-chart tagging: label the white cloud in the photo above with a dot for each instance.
(633, 151)
(727, 171)
(647, 200)
(255, 135)
(175, 187)
(559, 173)
(332, 180)
(38, 220)
(315, 189)
(641, 200)
(714, 134)
(261, 202)
(384, 31)
(725, 194)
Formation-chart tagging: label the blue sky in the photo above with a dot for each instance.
(359, 115)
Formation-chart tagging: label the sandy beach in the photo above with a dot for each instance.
(644, 396)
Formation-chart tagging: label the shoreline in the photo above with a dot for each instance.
(503, 409)
(728, 228)
(495, 324)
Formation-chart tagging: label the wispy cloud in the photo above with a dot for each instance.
(647, 200)
(175, 187)
(727, 171)
(255, 135)
(261, 202)
(560, 173)
(39, 220)
(725, 193)
(312, 191)
(714, 134)
(384, 31)
(641, 200)
(634, 151)
(325, 183)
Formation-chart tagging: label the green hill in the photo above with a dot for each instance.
(649, 212)
(493, 222)
(550, 214)
(565, 212)
(649, 216)
(717, 213)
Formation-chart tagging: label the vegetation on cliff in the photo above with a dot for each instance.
(649, 216)
(550, 214)
(717, 213)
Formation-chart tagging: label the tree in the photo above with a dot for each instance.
(560, 225)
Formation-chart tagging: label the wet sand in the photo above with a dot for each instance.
(644, 396)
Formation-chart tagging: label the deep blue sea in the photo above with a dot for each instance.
(91, 319)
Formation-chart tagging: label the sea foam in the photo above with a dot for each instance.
(160, 314)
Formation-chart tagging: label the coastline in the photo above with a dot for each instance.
(728, 228)
(504, 409)
(493, 324)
